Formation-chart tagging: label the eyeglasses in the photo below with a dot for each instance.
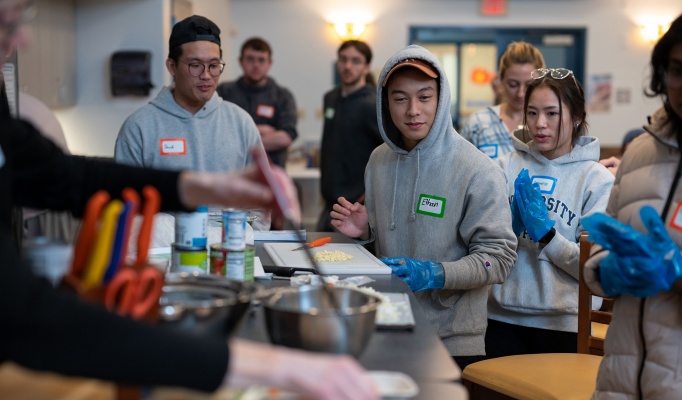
(555, 73)
(197, 69)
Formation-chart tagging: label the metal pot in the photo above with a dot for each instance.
(306, 317)
(206, 304)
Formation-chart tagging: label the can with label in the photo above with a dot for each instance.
(233, 264)
(191, 228)
(217, 255)
(48, 258)
(189, 259)
(234, 229)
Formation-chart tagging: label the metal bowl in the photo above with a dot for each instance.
(206, 304)
(307, 317)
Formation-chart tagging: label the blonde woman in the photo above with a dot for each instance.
(490, 129)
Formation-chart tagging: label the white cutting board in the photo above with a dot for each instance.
(363, 262)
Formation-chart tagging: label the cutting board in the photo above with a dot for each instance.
(363, 262)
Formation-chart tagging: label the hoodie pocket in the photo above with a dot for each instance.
(459, 311)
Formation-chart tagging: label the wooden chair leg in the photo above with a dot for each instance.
(478, 392)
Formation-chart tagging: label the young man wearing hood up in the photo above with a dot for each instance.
(436, 207)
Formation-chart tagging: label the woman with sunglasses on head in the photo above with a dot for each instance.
(637, 256)
(490, 129)
(554, 180)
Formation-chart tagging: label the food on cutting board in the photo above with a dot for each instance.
(388, 311)
(331, 256)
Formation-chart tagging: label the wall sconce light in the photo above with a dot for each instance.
(652, 32)
(349, 30)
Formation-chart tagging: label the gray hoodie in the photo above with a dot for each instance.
(542, 289)
(164, 135)
(470, 233)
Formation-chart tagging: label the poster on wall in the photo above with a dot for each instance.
(599, 88)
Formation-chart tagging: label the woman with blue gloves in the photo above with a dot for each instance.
(637, 253)
(554, 181)
(434, 203)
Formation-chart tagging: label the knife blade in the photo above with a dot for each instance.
(315, 243)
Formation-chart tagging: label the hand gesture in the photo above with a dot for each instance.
(419, 275)
(639, 265)
(350, 219)
(531, 207)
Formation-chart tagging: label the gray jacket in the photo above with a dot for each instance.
(472, 237)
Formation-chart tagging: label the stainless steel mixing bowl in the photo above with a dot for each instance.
(304, 317)
(206, 304)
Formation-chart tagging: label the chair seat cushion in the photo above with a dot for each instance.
(563, 376)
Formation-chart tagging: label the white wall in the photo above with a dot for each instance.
(106, 26)
(304, 46)
(305, 49)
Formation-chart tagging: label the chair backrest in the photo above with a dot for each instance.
(592, 324)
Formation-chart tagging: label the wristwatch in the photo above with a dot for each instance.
(548, 237)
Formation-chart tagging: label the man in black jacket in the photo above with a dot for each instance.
(350, 131)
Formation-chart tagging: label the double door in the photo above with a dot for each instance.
(470, 57)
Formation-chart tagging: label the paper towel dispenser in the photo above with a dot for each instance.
(130, 73)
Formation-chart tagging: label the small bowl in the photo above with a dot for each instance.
(206, 304)
(305, 317)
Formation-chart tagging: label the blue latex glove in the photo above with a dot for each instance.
(517, 222)
(532, 208)
(639, 265)
(419, 275)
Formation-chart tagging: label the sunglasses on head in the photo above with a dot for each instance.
(555, 73)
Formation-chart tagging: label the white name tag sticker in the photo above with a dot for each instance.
(433, 206)
(329, 113)
(173, 147)
(676, 222)
(265, 111)
(547, 183)
(489, 150)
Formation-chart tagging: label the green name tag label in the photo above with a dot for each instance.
(431, 205)
(329, 113)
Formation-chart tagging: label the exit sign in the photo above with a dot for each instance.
(493, 7)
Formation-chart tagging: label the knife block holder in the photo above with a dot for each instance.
(97, 295)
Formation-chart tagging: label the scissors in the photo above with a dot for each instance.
(134, 292)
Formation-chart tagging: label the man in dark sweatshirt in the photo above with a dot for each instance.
(350, 132)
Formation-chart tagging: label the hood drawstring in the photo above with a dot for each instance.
(395, 187)
(413, 216)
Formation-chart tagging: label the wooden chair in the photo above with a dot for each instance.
(553, 376)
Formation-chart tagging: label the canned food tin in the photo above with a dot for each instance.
(232, 264)
(191, 228)
(217, 255)
(48, 258)
(189, 259)
(234, 229)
